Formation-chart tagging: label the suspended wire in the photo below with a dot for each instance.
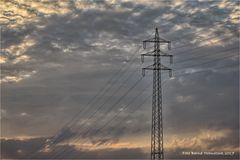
(215, 60)
(202, 55)
(135, 109)
(101, 93)
(117, 75)
(208, 38)
(112, 119)
(109, 121)
(119, 100)
(102, 105)
(201, 46)
(180, 74)
(198, 47)
(218, 58)
(204, 45)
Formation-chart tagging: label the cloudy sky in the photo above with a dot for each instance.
(72, 86)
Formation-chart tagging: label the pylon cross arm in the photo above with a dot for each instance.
(157, 55)
(153, 54)
(160, 41)
(157, 67)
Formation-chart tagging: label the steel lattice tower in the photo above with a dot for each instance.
(157, 151)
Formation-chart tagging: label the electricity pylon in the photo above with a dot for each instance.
(157, 151)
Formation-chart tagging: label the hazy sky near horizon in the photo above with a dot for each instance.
(56, 55)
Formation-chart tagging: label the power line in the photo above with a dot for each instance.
(109, 121)
(115, 116)
(208, 38)
(186, 74)
(132, 73)
(202, 56)
(102, 105)
(201, 46)
(101, 92)
(115, 104)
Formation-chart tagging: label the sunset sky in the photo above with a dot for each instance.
(57, 55)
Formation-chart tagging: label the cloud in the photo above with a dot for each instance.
(183, 99)
(12, 148)
(24, 148)
(58, 54)
(206, 140)
(207, 108)
(34, 44)
(16, 77)
(64, 134)
(209, 141)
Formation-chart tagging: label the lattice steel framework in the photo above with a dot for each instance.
(157, 151)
